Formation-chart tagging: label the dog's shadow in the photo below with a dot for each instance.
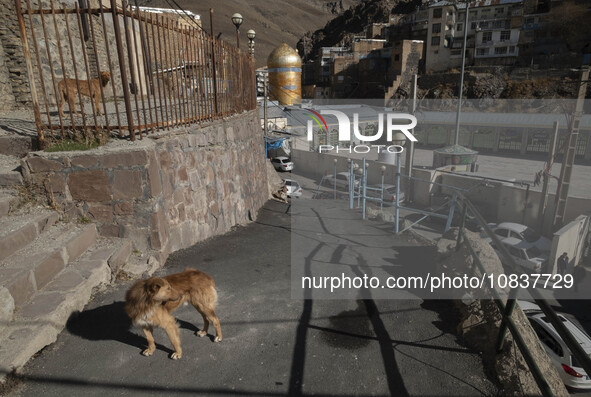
(110, 322)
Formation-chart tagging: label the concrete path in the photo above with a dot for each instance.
(273, 345)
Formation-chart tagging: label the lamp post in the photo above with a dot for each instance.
(251, 34)
(335, 179)
(383, 169)
(398, 139)
(237, 21)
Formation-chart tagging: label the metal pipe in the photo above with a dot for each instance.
(124, 81)
(96, 57)
(138, 63)
(39, 69)
(30, 75)
(108, 51)
(74, 63)
(213, 62)
(52, 71)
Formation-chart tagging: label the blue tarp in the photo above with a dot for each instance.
(275, 143)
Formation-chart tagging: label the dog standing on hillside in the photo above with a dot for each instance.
(150, 302)
(68, 91)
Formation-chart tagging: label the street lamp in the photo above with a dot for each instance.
(335, 179)
(237, 21)
(251, 34)
(398, 139)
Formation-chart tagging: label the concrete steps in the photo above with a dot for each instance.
(48, 269)
(10, 174)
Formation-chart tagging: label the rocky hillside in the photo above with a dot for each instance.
(275, 21)
(340, 30)
(499, 83)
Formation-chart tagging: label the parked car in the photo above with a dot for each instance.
(282, 163)
(389, 195)
(569, 368)
(525, 254)
(342, 179)
(293, 188)
(521, 232)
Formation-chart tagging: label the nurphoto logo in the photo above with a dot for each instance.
(344, 133)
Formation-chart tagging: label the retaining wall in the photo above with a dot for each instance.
(167, 193)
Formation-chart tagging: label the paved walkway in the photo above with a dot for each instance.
(273, 345)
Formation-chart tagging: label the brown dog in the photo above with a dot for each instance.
(149, 303)
(68, 90)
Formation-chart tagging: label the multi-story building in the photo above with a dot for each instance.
(492, 32)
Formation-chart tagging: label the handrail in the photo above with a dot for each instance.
(506, 310)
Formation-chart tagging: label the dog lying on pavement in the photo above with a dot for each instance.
(149, 303)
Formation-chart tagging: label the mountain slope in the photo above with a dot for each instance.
(275, 21)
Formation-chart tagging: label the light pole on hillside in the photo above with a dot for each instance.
(251, 34)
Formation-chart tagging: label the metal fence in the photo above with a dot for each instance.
(122, 70)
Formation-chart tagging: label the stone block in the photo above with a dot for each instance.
(178, 196)
(182, 174)
(110, 231)
(20, 283)
(154, 180)
(40, 164)
(11, 178)
(57, 183)
(66, 281)
(6, 305)
(124, 208)
(100, 212)
(120, 256)
(88, 267)
(85, 161)
(124, 159)
(47, 268)
(90, 186)
(127, 184)
(78, 244)
(195, 180)
(4, 206)
(16, 240)
(41, 305)
(46, 221)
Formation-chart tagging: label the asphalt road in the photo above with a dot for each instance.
(273, 345)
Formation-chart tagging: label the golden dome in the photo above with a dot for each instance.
(284, 56)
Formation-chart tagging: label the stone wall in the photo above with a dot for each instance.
(167, 193)
(7, 100)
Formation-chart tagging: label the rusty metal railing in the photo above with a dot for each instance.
(126, 71)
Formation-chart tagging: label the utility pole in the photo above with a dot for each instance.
(464, 48)
(568, 159)
(544, 198)
(410, 153)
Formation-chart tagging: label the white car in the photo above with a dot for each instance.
(389, 195)
(282, 164)
(570, 370)
(342, 179)
(521, 232)
(293, 188)
(526, 255)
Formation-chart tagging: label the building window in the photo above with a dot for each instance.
(473, 26)
(461, 16)
(456, 52)
(483, 25)
(437, 13)
(435, 40)
(486, 37)
(460, 27)
(497, 24)
(500, 50)
(512, 49)
(436, 28)
(397, 57)
(473, 14)
(499, 10)
(482, 51)
(505, 35)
